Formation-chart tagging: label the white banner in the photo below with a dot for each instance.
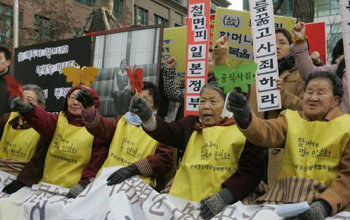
(130, 200)
(345, 22)
(264, 45)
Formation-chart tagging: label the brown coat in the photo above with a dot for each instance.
(272, 134)
(292, 94)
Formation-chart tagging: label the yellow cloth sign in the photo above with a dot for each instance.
(211, 157)
(236, 26)
(314, 149)
(130, 144)
(69, 152)
(174, 45)
(19, 145)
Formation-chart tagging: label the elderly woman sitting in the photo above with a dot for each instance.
(19, 141)
(219, 166)
(316, 161)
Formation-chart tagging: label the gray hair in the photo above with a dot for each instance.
(39, 93)
(214, 86)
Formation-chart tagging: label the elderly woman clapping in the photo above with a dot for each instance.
(316, 161)
(219, 166)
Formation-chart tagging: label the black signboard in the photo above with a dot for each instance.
(42, 64)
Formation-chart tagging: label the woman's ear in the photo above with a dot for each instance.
(336, 100)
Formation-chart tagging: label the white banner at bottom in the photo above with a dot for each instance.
(130, 200)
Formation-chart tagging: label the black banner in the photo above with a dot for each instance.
(42, 64)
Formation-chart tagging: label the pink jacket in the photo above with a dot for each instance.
(305, 66)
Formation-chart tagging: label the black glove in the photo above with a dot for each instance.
(122, 174)
(319, 210)
(216, 203)
(13, 187)
(85, 98)
(140, 107)
(237, 103)
(76, 190)
(17, 105)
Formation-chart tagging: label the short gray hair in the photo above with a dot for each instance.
(39, 93)
(214, 86)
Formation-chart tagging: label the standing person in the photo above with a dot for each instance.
(218, 167)
(5, 61)
(19, 142)
(130, 146)
(74, 156)
(316, 142)
(121, 89)
(304, 63)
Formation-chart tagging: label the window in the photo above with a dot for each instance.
(160, 20)
(322, 8)
(334, 7)
(334, 33)
(118, 8)
(87, 2)
(286, 8)
(179, 1)
(42, 26)
(78, 32)
(140, 16)
(6, 22)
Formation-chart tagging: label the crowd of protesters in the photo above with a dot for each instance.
(298, 153)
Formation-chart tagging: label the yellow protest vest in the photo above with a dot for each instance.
(211, 157)
(129, 145)
(19, 145)
(68, 153)
(313, 149)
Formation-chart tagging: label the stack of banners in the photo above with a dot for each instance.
(130, 200)
(198, 34)
(345, 22)
(236, 25)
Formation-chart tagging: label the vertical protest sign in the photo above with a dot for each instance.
(198, 32)
(42, 64)
(236, 26)
(316, 34)
(345, 22)
(264, 44)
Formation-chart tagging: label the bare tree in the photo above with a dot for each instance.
(277, 5)
(304, 10)
(60, 19)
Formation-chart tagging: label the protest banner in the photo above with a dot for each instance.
(236, 26)
(130, 200)
(198, 32)
(345, 22)
(42, 64)
(174, 45)
(265, 55)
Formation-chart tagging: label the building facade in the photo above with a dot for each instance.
(50, 20)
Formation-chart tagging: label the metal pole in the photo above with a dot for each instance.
(15, 24)
(133, 13)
